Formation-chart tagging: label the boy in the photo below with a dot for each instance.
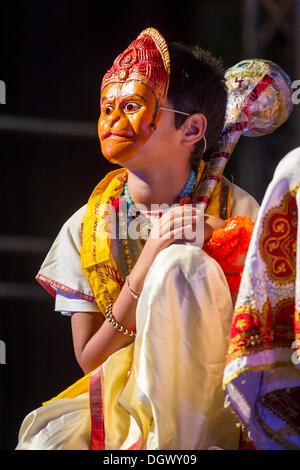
(154, 359)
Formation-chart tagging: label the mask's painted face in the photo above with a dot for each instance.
(131, 92)
(126, 120)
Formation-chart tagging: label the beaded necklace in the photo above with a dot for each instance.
(127, 246)
(188, 187)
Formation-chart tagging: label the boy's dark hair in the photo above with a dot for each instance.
(197, 85)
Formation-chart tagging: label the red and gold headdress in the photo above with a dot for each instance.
(147, 61)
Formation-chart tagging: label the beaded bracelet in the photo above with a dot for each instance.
(134, 294)
(115, 324)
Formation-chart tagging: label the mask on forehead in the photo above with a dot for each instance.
(132, 91)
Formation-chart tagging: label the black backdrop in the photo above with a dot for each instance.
(53, 56)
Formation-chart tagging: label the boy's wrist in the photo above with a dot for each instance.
(140, 269)
(137, 277)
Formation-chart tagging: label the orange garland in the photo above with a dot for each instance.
(227, 244)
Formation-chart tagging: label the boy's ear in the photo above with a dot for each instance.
(194, 129)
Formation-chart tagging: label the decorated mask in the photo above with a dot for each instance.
(132, 91)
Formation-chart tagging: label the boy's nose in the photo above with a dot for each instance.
(115, 116)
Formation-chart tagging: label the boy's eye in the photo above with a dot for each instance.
(131, 107)
(108, 109)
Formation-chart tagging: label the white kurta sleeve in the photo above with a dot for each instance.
(61, 274)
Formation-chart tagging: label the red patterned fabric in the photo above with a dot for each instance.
(278, 241)
(254, 330)
(96, 408)
(262, 373)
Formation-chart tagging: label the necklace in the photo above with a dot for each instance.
(186, 191)
(127, 246)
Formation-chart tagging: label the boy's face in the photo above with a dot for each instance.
(127, 110)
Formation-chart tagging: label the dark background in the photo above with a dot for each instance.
(53, 57)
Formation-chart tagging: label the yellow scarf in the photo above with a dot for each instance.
(97, 262)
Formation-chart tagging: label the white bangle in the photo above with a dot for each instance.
(134, 294)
